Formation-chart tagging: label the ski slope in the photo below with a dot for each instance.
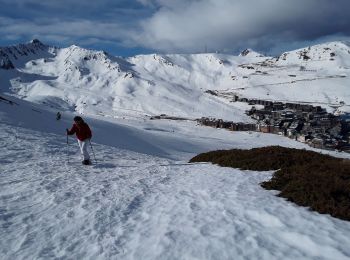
(142, 200)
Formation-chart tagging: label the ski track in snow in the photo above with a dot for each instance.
(136, 206)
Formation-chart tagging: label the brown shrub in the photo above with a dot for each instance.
(306, 178)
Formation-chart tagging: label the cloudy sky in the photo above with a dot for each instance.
(128, 27)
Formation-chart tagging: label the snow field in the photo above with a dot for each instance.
(138, 206)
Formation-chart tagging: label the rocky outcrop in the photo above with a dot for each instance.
(5, 62)
(11, 54)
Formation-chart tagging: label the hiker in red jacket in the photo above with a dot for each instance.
(83, 133)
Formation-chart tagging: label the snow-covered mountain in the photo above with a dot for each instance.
(317, 74)
(141, 199)
(95, 82)
(330, 54)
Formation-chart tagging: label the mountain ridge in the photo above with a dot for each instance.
(96, 82)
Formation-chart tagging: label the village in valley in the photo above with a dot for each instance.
(305, 123)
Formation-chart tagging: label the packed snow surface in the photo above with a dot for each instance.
(145, 201)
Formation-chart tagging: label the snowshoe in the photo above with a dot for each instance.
(86, 162)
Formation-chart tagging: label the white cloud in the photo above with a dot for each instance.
(189, 25)
(177, 25)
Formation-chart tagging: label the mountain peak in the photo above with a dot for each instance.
(36, 41)
(35, 44)
(17, 55)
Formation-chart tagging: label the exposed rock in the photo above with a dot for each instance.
(245, 52)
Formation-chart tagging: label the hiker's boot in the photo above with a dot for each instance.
(86, 162)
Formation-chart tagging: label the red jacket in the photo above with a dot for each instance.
(82, 131)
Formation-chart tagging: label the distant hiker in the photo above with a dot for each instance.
(83, 133)
(58, 116)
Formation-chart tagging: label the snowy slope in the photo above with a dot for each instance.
(142, 200)
(139, 202)
(165, 138)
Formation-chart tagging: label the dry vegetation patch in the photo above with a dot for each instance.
(307, 178)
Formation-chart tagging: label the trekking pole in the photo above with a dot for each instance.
(67, 150)
(92, 149)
